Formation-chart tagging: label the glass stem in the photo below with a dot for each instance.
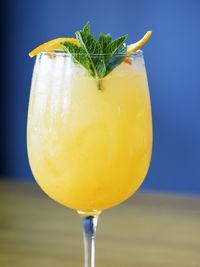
(89, 232)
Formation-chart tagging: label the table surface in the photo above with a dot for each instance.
(148, 230)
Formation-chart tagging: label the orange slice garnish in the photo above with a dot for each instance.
(52, 45)
(134, 47)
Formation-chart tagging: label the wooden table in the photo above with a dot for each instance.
(146, 231)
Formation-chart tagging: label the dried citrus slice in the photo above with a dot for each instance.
(52, 45)
(134, 47)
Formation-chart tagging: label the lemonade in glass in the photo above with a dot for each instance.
(89, 131)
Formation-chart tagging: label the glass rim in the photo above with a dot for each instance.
(62, 53)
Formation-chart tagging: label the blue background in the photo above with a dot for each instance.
(173, 67)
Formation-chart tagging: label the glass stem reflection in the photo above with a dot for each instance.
(89, 232)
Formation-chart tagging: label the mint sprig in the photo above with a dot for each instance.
(98, 57)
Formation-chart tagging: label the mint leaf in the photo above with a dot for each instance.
(104, 40)
(99, 58)
(86, 29)
(94, 52)
(113, 47)
(78, 54)
(116, 59)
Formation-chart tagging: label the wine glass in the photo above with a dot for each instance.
(89, 141)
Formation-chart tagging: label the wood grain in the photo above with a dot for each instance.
(148, 230)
